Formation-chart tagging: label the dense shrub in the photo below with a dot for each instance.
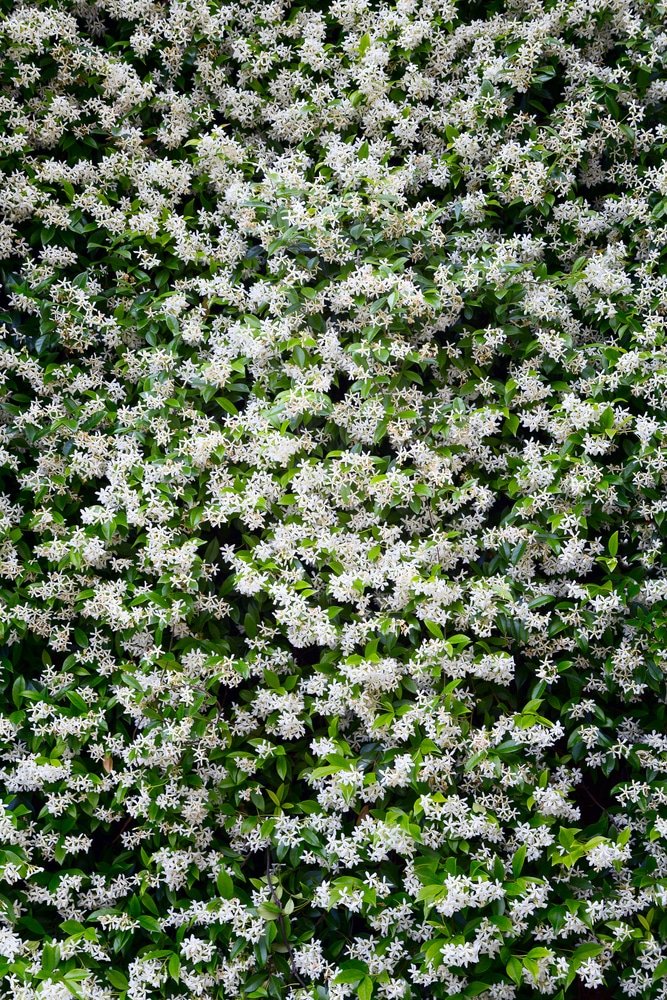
(334, 444)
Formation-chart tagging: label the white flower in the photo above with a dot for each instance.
(196, 950)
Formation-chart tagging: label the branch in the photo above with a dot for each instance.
(281, 921)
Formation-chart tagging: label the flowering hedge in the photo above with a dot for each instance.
(332, 499)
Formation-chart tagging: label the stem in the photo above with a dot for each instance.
(122, 829)
(281, 921)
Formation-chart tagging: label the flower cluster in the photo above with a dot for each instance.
(333, 457)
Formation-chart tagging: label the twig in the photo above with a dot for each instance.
(363, 813)
(598, 804)
(281, 921)
(122, 829)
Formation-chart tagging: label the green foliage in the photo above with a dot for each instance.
(333, 599)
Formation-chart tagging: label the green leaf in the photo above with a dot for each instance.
(475, 988)
(365, 988)
(226, 405)
(514, 969)
(588, 950)
(18, 687)
(434, 628)
(250, 626)
(117, 979)
(149, 923)
(517, 552)
(538, 602)
(612, 106)
(50, 957)
(269, 911)
(518, 861)
(77, 701)
(224, 885)
(531, 966)
(72, 927)
(349, 976)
